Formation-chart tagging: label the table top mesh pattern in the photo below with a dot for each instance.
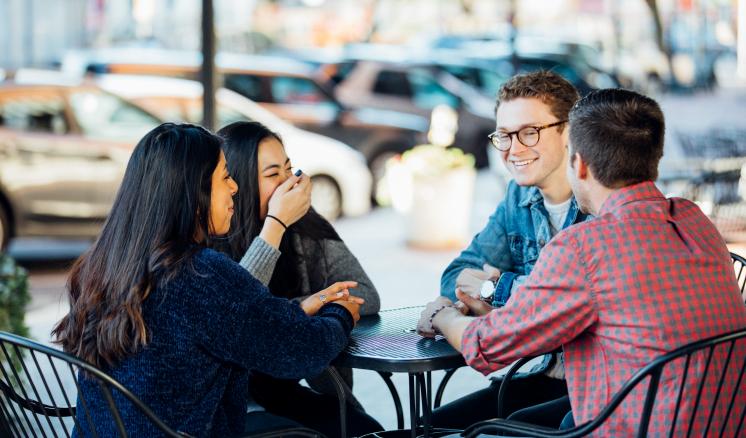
(389, 342)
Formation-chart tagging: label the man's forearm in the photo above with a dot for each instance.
(452, 324)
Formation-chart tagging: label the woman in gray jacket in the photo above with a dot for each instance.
(289, 247)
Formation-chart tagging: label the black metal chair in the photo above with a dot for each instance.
(652, 374)
(739, 264)
(39, 386)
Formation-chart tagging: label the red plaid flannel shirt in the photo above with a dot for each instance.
(646, 276)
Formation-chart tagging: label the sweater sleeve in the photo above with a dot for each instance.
(342, 265)
(242, 323)
(260, 260)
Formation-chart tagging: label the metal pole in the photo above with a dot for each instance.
(208, 65)
(513, 33)
(28, 35)
(742, 39)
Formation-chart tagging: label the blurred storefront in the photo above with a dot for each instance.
(34, 32)
(697, 34)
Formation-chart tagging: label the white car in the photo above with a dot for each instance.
(342, 183)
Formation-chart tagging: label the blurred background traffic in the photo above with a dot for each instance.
(349, 85)
(352, 87)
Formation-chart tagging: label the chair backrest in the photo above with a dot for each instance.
(712, 396)
(39, 386)
(705, 379)
(739, 264)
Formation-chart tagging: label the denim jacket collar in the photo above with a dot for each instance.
(532, 196)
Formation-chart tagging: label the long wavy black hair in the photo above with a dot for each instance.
(241, 145)
(161, 209)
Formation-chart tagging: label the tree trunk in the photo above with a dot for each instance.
(659, 40)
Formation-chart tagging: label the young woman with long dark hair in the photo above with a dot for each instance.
(177, 323)
(293, 250)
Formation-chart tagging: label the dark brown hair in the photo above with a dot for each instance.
(241, 142)
(619, 133)
(547, 86)
(162, 204)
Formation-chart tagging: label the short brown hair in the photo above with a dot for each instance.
(619, 133)
(547, 86)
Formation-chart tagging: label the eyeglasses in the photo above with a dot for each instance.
(528, 136)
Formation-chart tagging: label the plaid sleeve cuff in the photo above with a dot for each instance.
(472, 352)
(503, 288)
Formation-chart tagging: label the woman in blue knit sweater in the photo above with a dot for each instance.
(177, 323)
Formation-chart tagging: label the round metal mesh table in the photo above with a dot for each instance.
(389, 342)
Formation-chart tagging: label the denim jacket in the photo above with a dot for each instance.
(511, 241)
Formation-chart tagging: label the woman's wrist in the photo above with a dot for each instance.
(272, 232)
(437, 316)
(278, 220)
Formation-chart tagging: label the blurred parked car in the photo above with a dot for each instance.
(342, 182)
(417, 88)
(485, 72)
(291, 89)
(416, 80)
(581, 64)
(63, 152)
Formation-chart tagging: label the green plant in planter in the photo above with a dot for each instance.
(434, 160)
(14, 297)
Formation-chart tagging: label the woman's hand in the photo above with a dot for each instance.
(337, 292)
(291, 199)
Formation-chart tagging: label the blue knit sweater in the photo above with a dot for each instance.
(208, 328)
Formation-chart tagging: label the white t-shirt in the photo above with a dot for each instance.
(557, 214)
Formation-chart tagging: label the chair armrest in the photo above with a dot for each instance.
(509, 376)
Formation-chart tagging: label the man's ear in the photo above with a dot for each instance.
(579, 166)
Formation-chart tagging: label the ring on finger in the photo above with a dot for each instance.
(322, 298)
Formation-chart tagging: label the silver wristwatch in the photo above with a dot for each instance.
(488, 290)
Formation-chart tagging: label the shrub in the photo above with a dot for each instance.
(14, 296)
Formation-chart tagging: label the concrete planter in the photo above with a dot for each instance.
(441, 208)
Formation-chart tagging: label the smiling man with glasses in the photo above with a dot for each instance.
(532, 137)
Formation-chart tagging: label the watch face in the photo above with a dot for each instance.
(488, 289)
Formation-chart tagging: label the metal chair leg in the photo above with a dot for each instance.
(339, 386)
(442, 387)
(386, 376)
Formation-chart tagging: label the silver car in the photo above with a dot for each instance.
(63, 151)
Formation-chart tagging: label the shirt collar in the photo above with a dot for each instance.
(532, 196)
(625, 195)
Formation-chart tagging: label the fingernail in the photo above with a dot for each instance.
(339, 294)
(298, 172)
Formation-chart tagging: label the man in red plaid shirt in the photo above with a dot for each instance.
(646, 276)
